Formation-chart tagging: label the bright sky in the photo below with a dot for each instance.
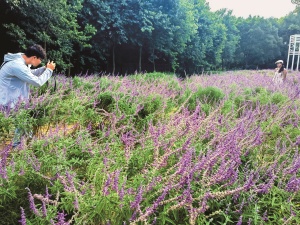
(244, 8)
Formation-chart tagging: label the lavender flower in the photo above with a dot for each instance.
(70, 178)
(44, 209)
(138, 199)
(265, 216)
(23, 217)
(61, 220)
(31, 202)
(76, 204)
(154, 221)
(116, 180)
(240, 220)
(47, 195)
(106, 186)
(122, 192)
(249, 221)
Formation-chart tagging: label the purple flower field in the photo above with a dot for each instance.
(155, 149)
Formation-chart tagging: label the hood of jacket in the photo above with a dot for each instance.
(12, 56)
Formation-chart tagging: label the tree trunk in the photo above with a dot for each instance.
(69, 69)
(114, 62)
(140, 59)
(153, 59)
(222, 64)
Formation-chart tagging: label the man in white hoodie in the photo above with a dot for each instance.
(16, 75)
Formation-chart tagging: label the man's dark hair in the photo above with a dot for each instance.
(35, 50)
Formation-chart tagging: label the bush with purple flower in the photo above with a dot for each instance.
(155, 149)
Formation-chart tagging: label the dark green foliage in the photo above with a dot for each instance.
(5, 124)
(106, 101)
(24, 121)
(54, 25)
(278, 98)
(211, 95)
(16, 195)
(77, 82)
(229, 106)
(179, 36)
(150, 106)
(207, 96)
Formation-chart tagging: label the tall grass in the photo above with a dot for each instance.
(154, 149)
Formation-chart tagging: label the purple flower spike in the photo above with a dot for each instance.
(31, 202)
(23, 217)
(240, 221)
(61, 220)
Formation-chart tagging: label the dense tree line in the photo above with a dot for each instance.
(133, 35)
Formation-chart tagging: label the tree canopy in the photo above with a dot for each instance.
(183, 36)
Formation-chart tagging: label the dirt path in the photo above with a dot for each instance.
(4, 143)
(45, 131)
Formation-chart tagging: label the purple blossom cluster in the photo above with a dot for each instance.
(181, 158)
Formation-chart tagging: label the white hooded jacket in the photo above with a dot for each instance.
(15, 77)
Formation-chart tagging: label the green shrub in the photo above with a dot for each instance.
(211, 95)
(77, 82)
(125, 105)
(151, 105)
(228, 106)
(207, 96)
(239, 100)
(6, 124)
(206, 108)
(106, 101)
(278, 98)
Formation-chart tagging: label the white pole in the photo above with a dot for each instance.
(298, 57)
(294, 51)
(288, 59)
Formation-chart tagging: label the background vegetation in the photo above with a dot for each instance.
(132, 35)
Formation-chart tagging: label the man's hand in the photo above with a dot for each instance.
(51, 65)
